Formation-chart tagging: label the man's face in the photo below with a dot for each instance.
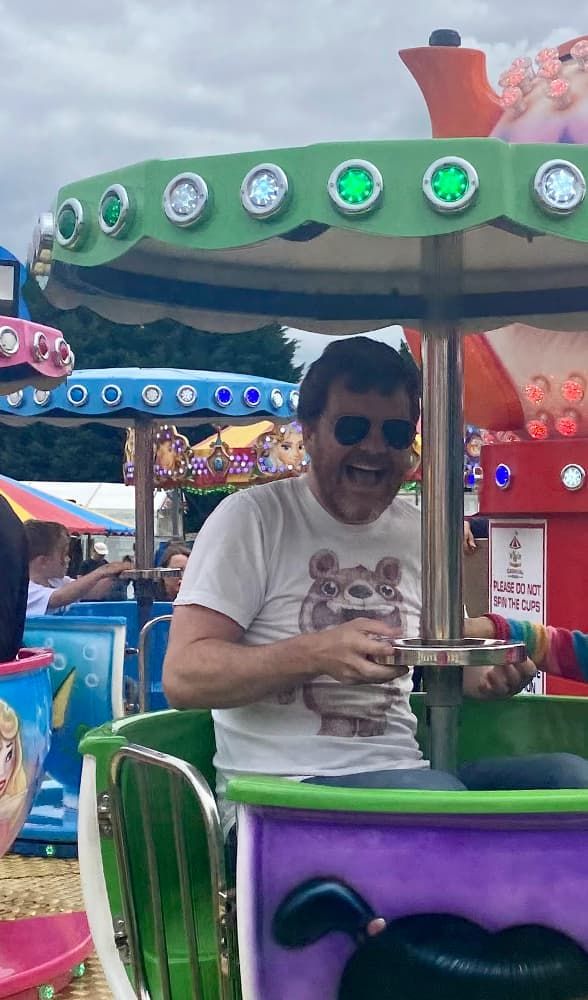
(356, 482)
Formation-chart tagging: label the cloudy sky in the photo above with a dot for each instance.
(88, 87)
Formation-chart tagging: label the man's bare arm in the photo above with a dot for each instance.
(207, 665)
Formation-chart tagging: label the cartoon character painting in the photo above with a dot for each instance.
(337, 595)
(281, 450)
(14, 786)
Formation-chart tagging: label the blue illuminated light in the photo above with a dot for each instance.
(252, 396)
(223, 396)
(502, 476)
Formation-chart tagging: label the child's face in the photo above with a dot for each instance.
(57, 562)
(7, 763)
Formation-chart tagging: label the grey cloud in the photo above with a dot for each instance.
(87, 88)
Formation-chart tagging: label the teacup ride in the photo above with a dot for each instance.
(88, 642)
(343, 238)
(39, 955)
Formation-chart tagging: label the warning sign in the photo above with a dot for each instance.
(517, 574)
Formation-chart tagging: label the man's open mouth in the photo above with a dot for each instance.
(361, 475)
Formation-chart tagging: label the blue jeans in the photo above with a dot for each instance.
(541, 770)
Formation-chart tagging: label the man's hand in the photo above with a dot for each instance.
(469, 542)
(498, 682)
(347, 652)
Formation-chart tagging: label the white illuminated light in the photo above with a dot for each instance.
(186, 395)
(277, 399)
(41, 397)
(185, 199)
(293, 399)
(559, 187)
(573, 476)
(264, 190)
(15, 399)
(151, 395)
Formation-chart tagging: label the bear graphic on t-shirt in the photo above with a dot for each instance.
(338, 595)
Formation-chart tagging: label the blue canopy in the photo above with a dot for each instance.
(118, 396)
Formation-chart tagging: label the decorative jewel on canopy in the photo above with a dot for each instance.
(550, 69)
(9, 341)
(579, 53)
(355, 186)
(559, 187)
(15, 399)
(78, 970)
(46, 992)
(450, 184)
(251, 396)
(111, 395)
(537, 429)
(70, 223)
(277, 399)
(223, 396)
(186, 395)
(502, 476)
(62, 352)
(546, 55)
(40, 250)
(185, 199)
(535, 392)
(41, 349)
(512, 99)
(573, 476)
(293, 399)
(567, 425)
(151, 395)
(77, 395)
(114, 210)
(573, 389)
(264, 190)
(559, 91)
(517, 77)
(41, 397)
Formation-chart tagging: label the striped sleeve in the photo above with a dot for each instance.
(556, 651)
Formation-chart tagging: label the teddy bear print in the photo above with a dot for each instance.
(338, 595)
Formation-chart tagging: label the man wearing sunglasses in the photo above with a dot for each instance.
(294, 589)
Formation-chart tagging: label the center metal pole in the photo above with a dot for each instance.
(442, 477)
(144, 519)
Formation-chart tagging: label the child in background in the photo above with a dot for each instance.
(50, 590)
(554, 650)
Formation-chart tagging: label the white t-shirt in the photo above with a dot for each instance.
(272, 559)
(38, 597)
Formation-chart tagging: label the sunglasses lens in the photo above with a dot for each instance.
(351, 430)
(399, 434)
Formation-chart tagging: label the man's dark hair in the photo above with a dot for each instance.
(362, 365)
(43, 537)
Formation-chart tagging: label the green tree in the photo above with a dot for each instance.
(93, 453)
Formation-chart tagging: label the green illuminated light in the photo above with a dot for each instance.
(111, 209)
(355, 185)
(66, 222)
(450, 183)
(78, 970)
(50, 851)
(46, 992)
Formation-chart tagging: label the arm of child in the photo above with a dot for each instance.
(557, 651)
(75, 590)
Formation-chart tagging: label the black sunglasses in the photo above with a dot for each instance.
(398, 434)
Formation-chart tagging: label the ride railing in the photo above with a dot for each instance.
(149, 698)
(173, 951)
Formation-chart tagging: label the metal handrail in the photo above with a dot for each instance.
(142, 669)
(180, 772)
